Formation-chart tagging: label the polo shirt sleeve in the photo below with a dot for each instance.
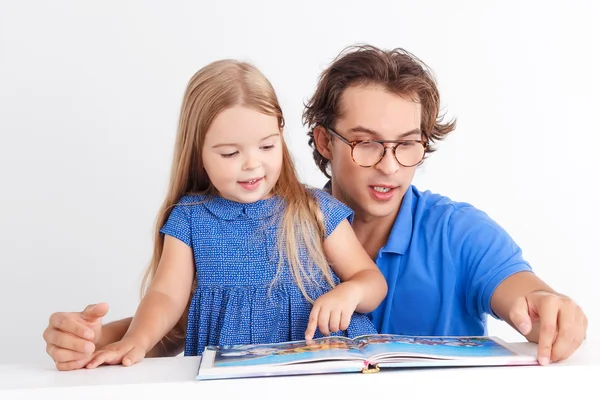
(484, 255)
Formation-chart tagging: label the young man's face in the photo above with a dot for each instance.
(371, 113)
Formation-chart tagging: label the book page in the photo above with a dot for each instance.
(377, 347)
(330, 348)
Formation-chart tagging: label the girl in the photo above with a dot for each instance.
(238, 229)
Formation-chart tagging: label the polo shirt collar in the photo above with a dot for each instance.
(401, 232)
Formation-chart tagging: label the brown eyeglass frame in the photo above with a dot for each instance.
(397, 143)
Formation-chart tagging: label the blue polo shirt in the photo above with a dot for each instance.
(442, 262)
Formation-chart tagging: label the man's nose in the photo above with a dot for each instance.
(388, 165)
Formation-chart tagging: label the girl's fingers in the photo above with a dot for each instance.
(134, 355)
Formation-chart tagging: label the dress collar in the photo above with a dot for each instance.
(229, 210)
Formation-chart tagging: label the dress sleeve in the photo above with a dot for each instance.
(333, 210)
(178, 224)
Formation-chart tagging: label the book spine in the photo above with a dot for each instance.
(370, 369)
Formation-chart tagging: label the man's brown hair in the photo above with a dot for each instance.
(397, 71)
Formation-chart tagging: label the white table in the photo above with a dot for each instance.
(173, 378)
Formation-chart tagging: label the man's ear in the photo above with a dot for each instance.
(322, 141)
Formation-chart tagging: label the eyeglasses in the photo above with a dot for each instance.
(367, 153)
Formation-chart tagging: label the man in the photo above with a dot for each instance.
(373, 119)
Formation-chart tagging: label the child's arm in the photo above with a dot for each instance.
(115, 330)
(159, 310)
(352, 264)
(362, 289)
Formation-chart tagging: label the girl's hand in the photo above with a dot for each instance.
(127, 351)
(332, 311)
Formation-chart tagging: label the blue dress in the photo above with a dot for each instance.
(236, 256)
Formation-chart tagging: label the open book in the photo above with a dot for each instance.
(364, 354)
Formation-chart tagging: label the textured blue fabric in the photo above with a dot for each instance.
(236, 256)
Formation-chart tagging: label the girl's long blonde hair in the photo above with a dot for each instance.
(214, 88)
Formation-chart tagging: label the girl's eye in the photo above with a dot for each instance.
(229, 155)
(267, 147)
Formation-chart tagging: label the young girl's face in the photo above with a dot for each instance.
(242, 154)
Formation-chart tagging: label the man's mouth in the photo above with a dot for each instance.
(381, 189)
(382, 192)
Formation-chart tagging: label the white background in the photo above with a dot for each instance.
(90, 95)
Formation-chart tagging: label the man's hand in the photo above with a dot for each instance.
(71, 337)
(554, 321)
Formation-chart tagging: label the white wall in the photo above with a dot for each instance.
(90, 91)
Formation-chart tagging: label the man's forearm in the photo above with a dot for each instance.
(515, 286)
